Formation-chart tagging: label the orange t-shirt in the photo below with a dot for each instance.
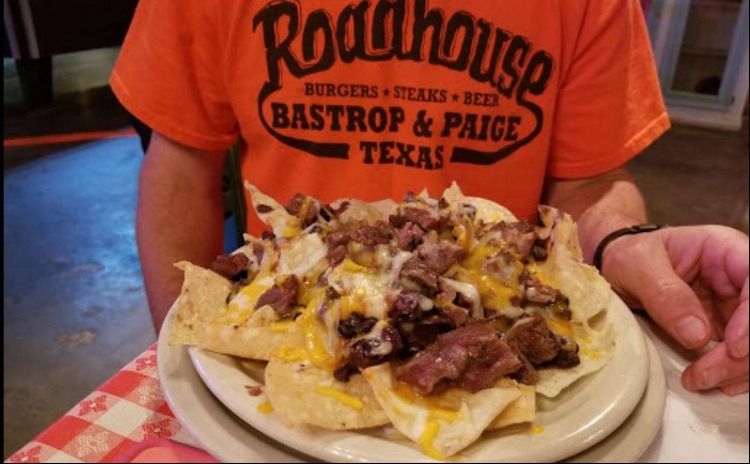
(372, 99)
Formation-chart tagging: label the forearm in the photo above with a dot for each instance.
(179, 218)
(599, 205)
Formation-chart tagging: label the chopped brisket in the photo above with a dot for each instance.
(526, 374)
(426, 219)
(336, 243)
(520, 236)
(539, 294)
(409, 236)
(419, 272)
(471, 357)
(231, 266)
(532, 337)
(567, 357)
(453, 305)
(371, 235)
(281, 297)
(344, 372)
(457, 315)
(373, 351)
(296, 205)
(406, 308)
(439, 256)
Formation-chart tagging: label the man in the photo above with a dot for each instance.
(520, 102)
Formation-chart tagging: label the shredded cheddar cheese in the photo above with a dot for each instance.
(282, 326)
(265, 408)
(341, 396)
(445, 415)
(427, 439)
(536, 429)
(292, 354)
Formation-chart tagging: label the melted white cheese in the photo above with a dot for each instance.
(469, 292)
(299, 256)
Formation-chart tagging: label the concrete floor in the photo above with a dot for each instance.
(74, 305)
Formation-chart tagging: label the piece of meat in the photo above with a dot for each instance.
(471, 357)
(406, 308)
(539, 250)
(457, 315)
(344, 372)
(281, 298)
(304, 207)
(419, 334)
(418, 271)
(532, 337)
(429, 372)
(453, 306)
(526, 374)
(336, 243)
(440, 256)
(231, 266)
(375, 350)
(424, 218)
(539, 294)
(372, 235)
(520, 236)
(567, 357)
(487, 364)
(409, 236)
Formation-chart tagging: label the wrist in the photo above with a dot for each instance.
(619, 235)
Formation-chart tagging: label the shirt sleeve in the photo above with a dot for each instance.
(168, 74)
(610, 106)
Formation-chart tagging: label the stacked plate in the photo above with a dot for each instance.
(609, 416)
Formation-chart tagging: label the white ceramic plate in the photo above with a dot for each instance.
(230, 439)
(580, 417)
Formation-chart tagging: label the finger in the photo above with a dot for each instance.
(736, 332)
(671, 302)
(715, 369)
(735, 389)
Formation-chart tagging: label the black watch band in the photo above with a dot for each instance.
(632, 230)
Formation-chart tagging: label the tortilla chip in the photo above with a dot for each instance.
(442, 424)
(487, 210)
(299, 381)
(272, 213)
(361, 211)
(523, 409)
(203, 319)
(301, 254)
(589, 296)
(302, 394)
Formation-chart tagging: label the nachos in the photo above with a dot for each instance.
(441, 316)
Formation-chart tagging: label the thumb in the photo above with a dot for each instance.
(649, 278)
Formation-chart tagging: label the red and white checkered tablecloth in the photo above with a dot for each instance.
(127, 409)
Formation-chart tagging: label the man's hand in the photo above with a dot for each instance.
(693, 281)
